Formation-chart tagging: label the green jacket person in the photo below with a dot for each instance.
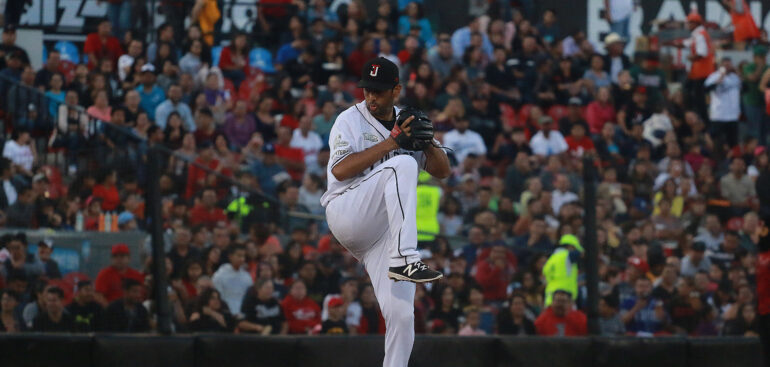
(428, 199)
(561, 270)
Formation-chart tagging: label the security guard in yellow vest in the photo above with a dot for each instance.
(428, 199)
(561, 270)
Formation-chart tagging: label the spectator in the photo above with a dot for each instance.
(206, 211)
(151, 95)
(472, 322)
(610, 323)
(695, 261)
(174, 103)
(55, 318)
(514, 320)
(18, 150)
(102, 45)
(464, 141)
(239, 125)
(746, 324)
(307, 140)
(724, 86)
(109, 283)
(262, 312)
(10, 322)
(232, 280)
(493, 272)
(547, 141)
(127, 314)
(86, 312)
(618, 14)
(641, 313)
(600, 111)
(335, 324)
(560, 319)
(210, 314)
(461, 39)
(301, 313)
(737, 187)
(49, 265)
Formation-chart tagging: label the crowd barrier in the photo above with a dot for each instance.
(207, 350)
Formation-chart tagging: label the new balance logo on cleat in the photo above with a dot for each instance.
(416, 272)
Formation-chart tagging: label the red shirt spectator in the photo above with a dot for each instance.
(358, 58)
(198, 178)
(302, 313)
(560, 319)
(102, 45)
(206, 212)
(578, 142)
(109, 281)
(600, 111)
(108, 192)
(293, 159)
(493, 271)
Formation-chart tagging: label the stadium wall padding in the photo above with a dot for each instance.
(218, 350)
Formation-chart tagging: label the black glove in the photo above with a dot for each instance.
(421, 135)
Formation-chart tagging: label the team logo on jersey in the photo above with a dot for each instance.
(375, 70)
(371, 137)
(338, 142)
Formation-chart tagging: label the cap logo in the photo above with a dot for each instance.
(375, 70)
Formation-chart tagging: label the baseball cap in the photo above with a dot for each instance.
(379, 74)
(571, 240)
(695, 18)
(9, 28)
(268, 148)
(45, 243)
(638, 263)
(575, 101)
(125, 217)
(120, 249)
(335, 302)
(148, 68)
(545, 120)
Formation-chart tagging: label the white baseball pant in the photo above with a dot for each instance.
(375, 221)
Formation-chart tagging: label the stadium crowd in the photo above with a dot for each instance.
(519, 100)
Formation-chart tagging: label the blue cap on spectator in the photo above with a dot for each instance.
(261, 59)
(268, 148)
(642, 205)
(125, 217)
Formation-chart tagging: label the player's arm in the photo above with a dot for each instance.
(437, 162)
(356, 163)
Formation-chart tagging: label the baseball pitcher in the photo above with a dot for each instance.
(377, 150)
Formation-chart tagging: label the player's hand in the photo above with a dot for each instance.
(406, 126)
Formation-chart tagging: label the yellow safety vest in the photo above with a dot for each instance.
(428, 198)
(560, 274)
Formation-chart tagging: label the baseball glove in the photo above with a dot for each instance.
(421, 135)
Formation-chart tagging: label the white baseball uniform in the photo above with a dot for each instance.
(373, 216)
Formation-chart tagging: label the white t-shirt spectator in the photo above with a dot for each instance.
(621, 9)
(552, 144)
(725, 105)
(20, 155)
(310, 144)
(559, 198)
(232, 285)
(464, 143)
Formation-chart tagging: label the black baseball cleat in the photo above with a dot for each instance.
(416, 272)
